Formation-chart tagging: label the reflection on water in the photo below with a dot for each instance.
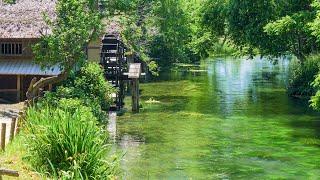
(112, 126)
(234, 120)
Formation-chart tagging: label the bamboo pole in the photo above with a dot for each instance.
(3, 136)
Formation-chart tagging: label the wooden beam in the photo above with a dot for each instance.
(8, 90)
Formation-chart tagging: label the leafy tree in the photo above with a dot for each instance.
(214, 16)
(76, 23)
(158, 30)
(246, 20)
(315, 24)
(315, 28)
(294, 31)
(242, 22)
(174, 33)
(273, 27)
(133, 18)
(213, 27)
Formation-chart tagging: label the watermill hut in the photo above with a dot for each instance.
(21, 26)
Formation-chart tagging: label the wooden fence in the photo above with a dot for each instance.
(4, 140)
(14, 128)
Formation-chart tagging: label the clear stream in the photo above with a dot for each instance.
(232, 121)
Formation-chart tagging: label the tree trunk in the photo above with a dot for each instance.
(35, 85)
(301, 57)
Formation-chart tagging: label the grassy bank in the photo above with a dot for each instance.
(14, 158)
(64, 136)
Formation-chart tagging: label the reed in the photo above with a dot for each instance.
(68, 143)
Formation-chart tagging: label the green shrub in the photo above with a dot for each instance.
(315, 100)
(90, 83)
(87, 85)
(54, 100)
(65, 142)
(302, 76)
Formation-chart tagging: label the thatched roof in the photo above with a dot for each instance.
(25, 18)
(112, 26)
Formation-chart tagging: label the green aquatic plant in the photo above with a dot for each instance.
(152, 101)
(229, 123)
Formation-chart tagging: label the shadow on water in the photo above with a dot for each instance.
(233, 121)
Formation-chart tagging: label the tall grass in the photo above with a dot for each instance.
(63, 136)
(66, 142)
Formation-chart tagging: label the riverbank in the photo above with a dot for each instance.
(63, 133)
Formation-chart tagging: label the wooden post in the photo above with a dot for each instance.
(3, 136)
(17, 123)
(18, 88)
(21, 88)
(134, 75)
(135, 95)
(12, 128)
(50, 87)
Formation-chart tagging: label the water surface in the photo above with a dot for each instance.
(232, 121)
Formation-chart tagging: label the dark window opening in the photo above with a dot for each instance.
(2, 48)
(11, 49)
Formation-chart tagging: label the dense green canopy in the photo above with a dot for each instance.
(272, 27)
